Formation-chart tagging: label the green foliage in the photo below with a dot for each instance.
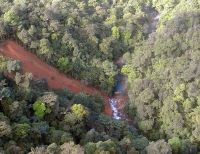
(130, 72)
(169, 9)
(94, 103)
(64, 64)
(112, 127)
(12, 147)
(64, 37)
(179, 93)
(140, 143)
(115, 32)
(21, 130)
(94, 136)
(72, 148)
(79, 110)
(175, 143)
(105, 46)
(15, 109)
(173, 123)
(5, 93)
(5, 128)
(146, 125)
(101, 147)
(163, 83)
(127, 36)
(84, 39)
(40, 109)
(24, 81)
(45, 48)
(159, 147)
(52, 148)
(50, 99)
(58, 136)
(74, 122)
(11, 17)
(3, 64)
(38, 129)
(9, 65)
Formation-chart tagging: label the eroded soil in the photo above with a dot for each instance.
(55, 79)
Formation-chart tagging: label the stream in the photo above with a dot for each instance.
(115, 113)
(119, 97)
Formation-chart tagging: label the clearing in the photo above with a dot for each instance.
(55, 79)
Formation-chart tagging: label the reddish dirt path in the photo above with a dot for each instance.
(41, 70)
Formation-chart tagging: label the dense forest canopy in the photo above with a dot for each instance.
(84, 38)
(164, 75)
(159, 42)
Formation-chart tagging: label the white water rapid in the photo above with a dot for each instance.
(113, 104)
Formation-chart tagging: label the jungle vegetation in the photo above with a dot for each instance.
(84, 39)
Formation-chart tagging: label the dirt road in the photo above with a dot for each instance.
(41, 70)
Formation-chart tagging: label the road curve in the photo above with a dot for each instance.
(41, 70)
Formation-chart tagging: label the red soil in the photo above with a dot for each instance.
(41, 70)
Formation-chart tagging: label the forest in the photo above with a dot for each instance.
(159, 44)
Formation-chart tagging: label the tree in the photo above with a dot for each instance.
(146, 125)
(105, 46)
(12, 147)
(64, 64)
(38, 150)
(24, 80)
(51, 101)
(159, 147)
(126, 145)
(38, 130)
(179, 93)
(21, 131)
(11, 16)
(172, 120)
(79, 110)
(40, 109)
(5, 128)
(140, 143)
(24, 36)
(5, 93)
(114, 128)
(16, 109)
(45, 48)
(13, 66)
(75, 121)
(116, 32)
(127, 36)
(175, 143)
(94, 136)
(58, 136)
(3, 64)
(110, 71)
(101, 147)
(51, 149)
(2, 30)
(71, 148)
